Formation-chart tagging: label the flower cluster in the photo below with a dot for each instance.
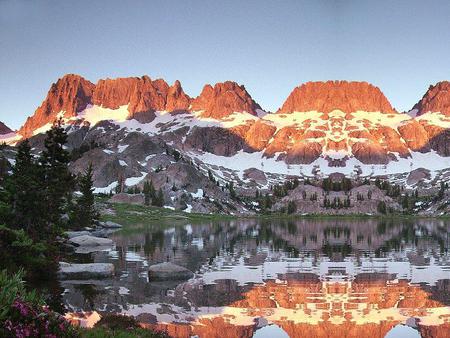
(28, 320)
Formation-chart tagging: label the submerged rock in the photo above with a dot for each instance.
(88, 240)
(168, 271)
(85, 271)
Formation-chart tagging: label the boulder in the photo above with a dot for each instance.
(90, 241)
(110, 225)
(168, 271)
(418, 175)
(73, 234)
(85, 271)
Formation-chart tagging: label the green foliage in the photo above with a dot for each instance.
(149, 192)
(85, 213)
(381, 207)
(114, 325)
(25, 190)
(12, 287)
(58, 181)
(151, 196)
(24, 314)
(20, 251)
(291, 207)
(329, 185)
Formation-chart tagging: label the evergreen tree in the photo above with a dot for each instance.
(86, 212)
(381, 207)
(58, 181)
(158, 200)
(25, 189)
(149, 192)
(291, 207)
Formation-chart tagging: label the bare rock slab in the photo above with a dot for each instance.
(85, 271)
(73, 234)
(90, 241)
(168, 271)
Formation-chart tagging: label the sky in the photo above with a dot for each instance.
(401, 46)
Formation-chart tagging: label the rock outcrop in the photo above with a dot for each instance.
(72, 94)
(69, 95)
(224, 99)
(331, 95)
(168, 271)
(85, 271)
(436, 99)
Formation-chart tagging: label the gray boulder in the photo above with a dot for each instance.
(73, 234)
(110, 225)
(85, 271)
(168, 271)
(90, 241)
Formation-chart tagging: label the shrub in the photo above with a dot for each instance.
(32, 255)
(24, 314)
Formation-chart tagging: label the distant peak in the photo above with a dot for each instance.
(224, 99)
(330, 95)
(436, 99)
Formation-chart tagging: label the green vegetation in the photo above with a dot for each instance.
(118, 326)
(84, 211)
(24, 313)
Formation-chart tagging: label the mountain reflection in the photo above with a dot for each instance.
(309, 277)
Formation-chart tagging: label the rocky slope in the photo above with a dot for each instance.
(436, 99)
(131, 127)
(4, 129)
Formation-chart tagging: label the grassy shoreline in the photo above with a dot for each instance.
(131, 214)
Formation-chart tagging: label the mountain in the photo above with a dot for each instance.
(336, 95)
(223, 100)
(436, 99)
(130, 129)
(72, 94)
(4, 129)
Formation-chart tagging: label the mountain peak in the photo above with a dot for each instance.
(70, 94)
(224, 99)
(330, 95)
(4, 129)
(436, 99)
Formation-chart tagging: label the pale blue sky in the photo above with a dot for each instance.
(269, 46)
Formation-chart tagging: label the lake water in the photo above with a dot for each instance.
(280, 278)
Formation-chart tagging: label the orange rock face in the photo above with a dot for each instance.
(224, 99)
(258, 135)
(436, 99)
(415, 136)
(140, 94)
(70, 94)
(328, 96)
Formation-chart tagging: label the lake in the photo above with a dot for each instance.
(279, 278)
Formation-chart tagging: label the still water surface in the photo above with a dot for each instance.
(280, 278)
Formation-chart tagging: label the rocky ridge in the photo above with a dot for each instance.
(130, 129)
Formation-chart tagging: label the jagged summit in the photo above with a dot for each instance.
(331, 95)
(224, 99)
(71, 94)
(436, 99)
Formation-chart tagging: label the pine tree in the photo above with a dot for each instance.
(25, 189)
(158, 200)
(58, 181)
(149, 192)
(86, 212)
